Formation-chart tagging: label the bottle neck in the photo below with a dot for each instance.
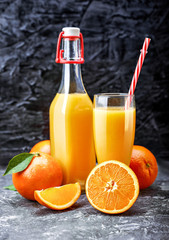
(71, 79)
(71, 73)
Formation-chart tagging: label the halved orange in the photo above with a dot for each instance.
(112, 187)
(59, 198)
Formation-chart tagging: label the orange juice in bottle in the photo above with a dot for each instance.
(71, 113)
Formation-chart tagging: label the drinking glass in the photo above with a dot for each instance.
(114, 126)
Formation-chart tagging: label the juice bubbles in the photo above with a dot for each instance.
(71, 134)
(114, 131)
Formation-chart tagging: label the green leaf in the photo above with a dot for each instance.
(19, 163)
(11, 187)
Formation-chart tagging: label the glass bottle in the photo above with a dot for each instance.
(71, 113)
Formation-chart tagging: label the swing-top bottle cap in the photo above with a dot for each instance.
(70, 34)
(71, 31)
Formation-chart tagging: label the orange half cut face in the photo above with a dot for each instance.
(112, 187)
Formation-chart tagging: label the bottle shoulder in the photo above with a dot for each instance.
(71, 101)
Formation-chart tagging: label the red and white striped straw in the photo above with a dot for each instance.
(137, 72)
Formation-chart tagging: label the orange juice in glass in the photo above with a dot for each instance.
(114, 127)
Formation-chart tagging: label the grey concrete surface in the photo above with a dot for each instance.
(148, 218)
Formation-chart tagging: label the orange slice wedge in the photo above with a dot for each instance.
(59, 198)
(112, 187)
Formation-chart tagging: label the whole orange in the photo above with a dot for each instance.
(42, 172)
(144, 164)
(42, 146)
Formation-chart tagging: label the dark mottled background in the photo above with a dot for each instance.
(113, 35)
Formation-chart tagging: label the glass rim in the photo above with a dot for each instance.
(113, 95)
